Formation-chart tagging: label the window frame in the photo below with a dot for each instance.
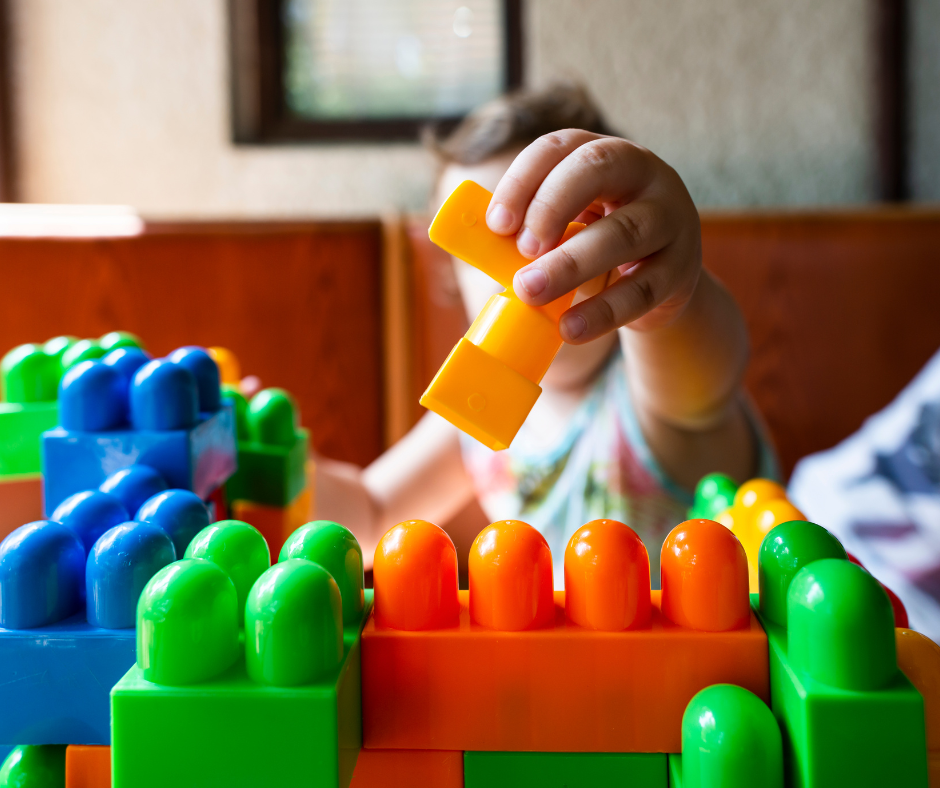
(260, 114)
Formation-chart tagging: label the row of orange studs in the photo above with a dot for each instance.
(607, 578)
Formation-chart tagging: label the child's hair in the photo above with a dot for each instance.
(515, 120)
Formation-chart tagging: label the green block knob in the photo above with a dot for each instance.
(786, 549)
(293, 625)
(232, 392)
(272, 418)
(116, 339)
(187, 624)
(730, 739)
(841, 626)
(83, 350)
(29, 374)
(57, 346)
(239, 549)
(713, 494)
(335, 549)
(34, 766)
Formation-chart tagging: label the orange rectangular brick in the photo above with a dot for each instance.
(87, 767)
(276, 523)
(559, 689)
(408, 768)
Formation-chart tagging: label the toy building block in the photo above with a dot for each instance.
(485, 670)
(67, 598)
(729, 739)
(490, 381)
(34, 766)
(568, 769)
(849, 716)
(919, 658)
(87, 766)
(276, 523)
(713, 494)
(229, 369)
(169, 417)
(408, 768)
(20, 501)
(205, 693)
(272, 450)
(900, 612)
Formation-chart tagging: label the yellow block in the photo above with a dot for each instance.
(489, 382)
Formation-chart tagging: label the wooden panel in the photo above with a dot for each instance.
(299, 304)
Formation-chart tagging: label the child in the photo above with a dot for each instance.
(645, 395)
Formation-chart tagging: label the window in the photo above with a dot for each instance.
(366, 69)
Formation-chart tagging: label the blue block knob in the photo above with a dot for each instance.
(206, 371)
(180, 513)
(42, 575)
(119, 565)
(126, 360)
(132, 486)
(90, 514)
(92, 398)
(164, 396)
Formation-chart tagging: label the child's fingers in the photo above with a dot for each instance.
(607, 170)
(520, 182)
(633, 232)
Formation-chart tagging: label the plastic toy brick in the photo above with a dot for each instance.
(849, 715)
(568, 769)
(490, 380)
(713, 494)
(272, 450)
(59, 656)
(408, 768)
(20, 501)
(87, 767)
(919, 658)
(205, 694)
(169, 416)
(729, 738)
(276, 523)
(34, 766)
(21, 427)
(503, 667)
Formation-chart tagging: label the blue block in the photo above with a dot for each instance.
(55, 681)
(199, 459)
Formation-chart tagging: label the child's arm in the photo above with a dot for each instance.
(421, 477)
(685, 341)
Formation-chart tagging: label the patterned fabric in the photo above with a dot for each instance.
(600, 468)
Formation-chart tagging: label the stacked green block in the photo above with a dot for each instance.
(29, 387)
(848, 715)
(34, 766)
(563, 769)
(713, 494)
(272, 449)
(246, 675)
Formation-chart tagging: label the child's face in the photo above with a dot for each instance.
(574, 365)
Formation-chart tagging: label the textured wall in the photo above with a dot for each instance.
(754, 103)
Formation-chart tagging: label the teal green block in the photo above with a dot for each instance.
(563, 770)
(835, 736)
(231, 732)
(270, 474)
(21, 429)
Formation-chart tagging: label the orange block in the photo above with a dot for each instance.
(276, 523)
(408, 769)
(559, 689)
(20, 501)
(919, 658)
(87, 767)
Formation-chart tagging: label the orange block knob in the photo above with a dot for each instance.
(607, 577)
(415, 578)
(704, 578)
(511, 585)
(757, 491)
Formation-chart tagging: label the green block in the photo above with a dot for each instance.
(21, 427)
(563, 769)
(675, 770)
(34, 766)
(848, 715)
(269, 474)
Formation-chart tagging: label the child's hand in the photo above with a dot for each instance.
(642, 222)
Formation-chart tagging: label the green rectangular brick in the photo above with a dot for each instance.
(21, 429)
(564, 770)
(271, 475)
(834, 736)
(233, 732)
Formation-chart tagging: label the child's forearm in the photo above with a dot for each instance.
(688, 373)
